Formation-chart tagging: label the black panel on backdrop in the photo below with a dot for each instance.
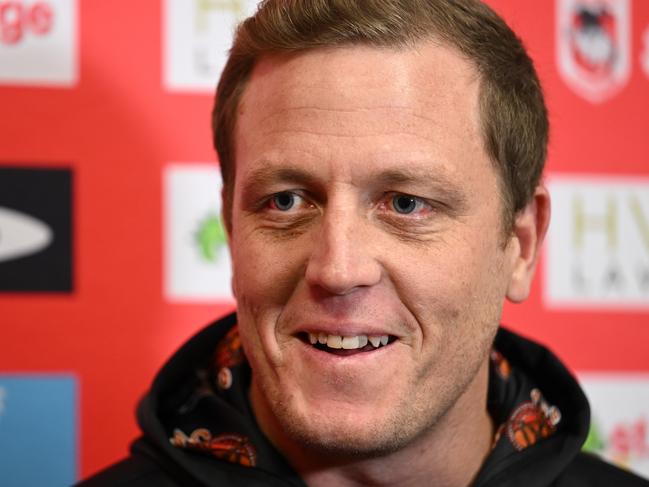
(35, 229)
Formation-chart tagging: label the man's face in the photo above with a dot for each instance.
(364, 206)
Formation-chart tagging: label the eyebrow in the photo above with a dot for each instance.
(407, 175)
(266, 175)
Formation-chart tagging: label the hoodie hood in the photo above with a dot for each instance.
(543, 415)
(203, 433)
(197, 422)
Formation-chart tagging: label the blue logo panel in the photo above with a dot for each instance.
(38, 430)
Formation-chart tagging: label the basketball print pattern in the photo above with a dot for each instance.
(231, 447)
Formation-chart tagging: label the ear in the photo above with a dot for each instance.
(530, 226)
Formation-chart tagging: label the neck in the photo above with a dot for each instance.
(450, 454)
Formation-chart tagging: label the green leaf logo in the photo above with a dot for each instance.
(210, 237)
(594, 442)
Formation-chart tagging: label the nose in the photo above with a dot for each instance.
(343, 257)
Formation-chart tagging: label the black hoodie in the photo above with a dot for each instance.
(198, 428)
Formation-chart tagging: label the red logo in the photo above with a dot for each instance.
(17, 19)
(630, 439)
(593, 46)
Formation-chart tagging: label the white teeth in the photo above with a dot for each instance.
(347, 342)
(350, 343)
(334, 341)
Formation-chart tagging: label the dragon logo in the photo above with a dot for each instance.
(593, 44)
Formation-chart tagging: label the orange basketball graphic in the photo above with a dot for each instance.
(229, 351)
(231, 447)
(234, 449)
(532, 421)
(527, 425)
(501, 364)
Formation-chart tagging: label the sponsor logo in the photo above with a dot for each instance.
(38, 421)
(593, 46)
(197, 262)
(198, 34)
(619, 429)
(35, 229)
(598, 244)
(18, 19)
(21, 235)
(38, 42)
(210, 238)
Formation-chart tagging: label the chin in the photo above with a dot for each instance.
(357, 434)
(364, 442)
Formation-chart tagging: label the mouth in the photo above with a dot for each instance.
(346, 345)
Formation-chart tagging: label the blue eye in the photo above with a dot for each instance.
(283, 201)
(404, 204)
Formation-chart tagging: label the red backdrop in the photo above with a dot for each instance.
(118, 126)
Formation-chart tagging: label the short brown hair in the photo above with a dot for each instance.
(512, 110)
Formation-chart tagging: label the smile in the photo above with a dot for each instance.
(338, 343)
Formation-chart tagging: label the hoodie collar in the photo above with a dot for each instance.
(198, 410)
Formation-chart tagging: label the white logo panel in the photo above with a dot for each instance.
(619, 419)
(38, 42)
(197, 261)
(593, 42)
(198, 35)
(598, 243)
(21, 234)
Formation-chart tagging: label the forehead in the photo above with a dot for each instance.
(362, 103)
(429, 78)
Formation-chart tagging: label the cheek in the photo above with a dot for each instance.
(262, 284)
(458, 284)
(263, 273)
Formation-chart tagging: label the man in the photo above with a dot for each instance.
(382, 195)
